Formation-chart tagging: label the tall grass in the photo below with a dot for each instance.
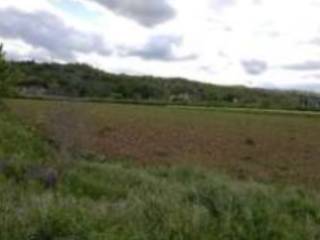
(116, 201)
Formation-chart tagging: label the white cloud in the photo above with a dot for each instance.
(252, 42)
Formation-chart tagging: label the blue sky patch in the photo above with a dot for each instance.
(75, 8)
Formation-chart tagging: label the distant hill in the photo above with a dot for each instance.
(83, 81)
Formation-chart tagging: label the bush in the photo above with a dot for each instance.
(7, 76)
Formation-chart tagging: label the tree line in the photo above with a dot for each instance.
(32, 79)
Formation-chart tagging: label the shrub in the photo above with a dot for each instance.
(7, 76)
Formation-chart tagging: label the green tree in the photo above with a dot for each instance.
(7, 76)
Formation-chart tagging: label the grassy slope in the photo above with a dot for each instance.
(99, 199)
(268, 146)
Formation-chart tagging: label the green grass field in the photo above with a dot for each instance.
(96, 198)
(266, 146)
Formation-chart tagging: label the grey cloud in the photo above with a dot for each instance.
(160, 48)
(315, 41)
(221, 4)
(315, 76)
(44, 30)
(257, 2)
(310, 87)
(148, 13)
(207, 69)
(305, 66)
(254, 67)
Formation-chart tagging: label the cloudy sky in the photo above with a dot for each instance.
(258, 43)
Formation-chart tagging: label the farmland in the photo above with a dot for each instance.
(48, 193)
(271, 147)
(204, 124)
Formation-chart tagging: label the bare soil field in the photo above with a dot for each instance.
(279, 147)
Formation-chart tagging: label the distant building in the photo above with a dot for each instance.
(182, 97)
(311, 102)
(32, 89)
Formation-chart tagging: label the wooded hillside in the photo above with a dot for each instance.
(78, 80)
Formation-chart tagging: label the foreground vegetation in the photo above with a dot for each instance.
(95, 198)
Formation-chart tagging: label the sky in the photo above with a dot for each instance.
(257, 43)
